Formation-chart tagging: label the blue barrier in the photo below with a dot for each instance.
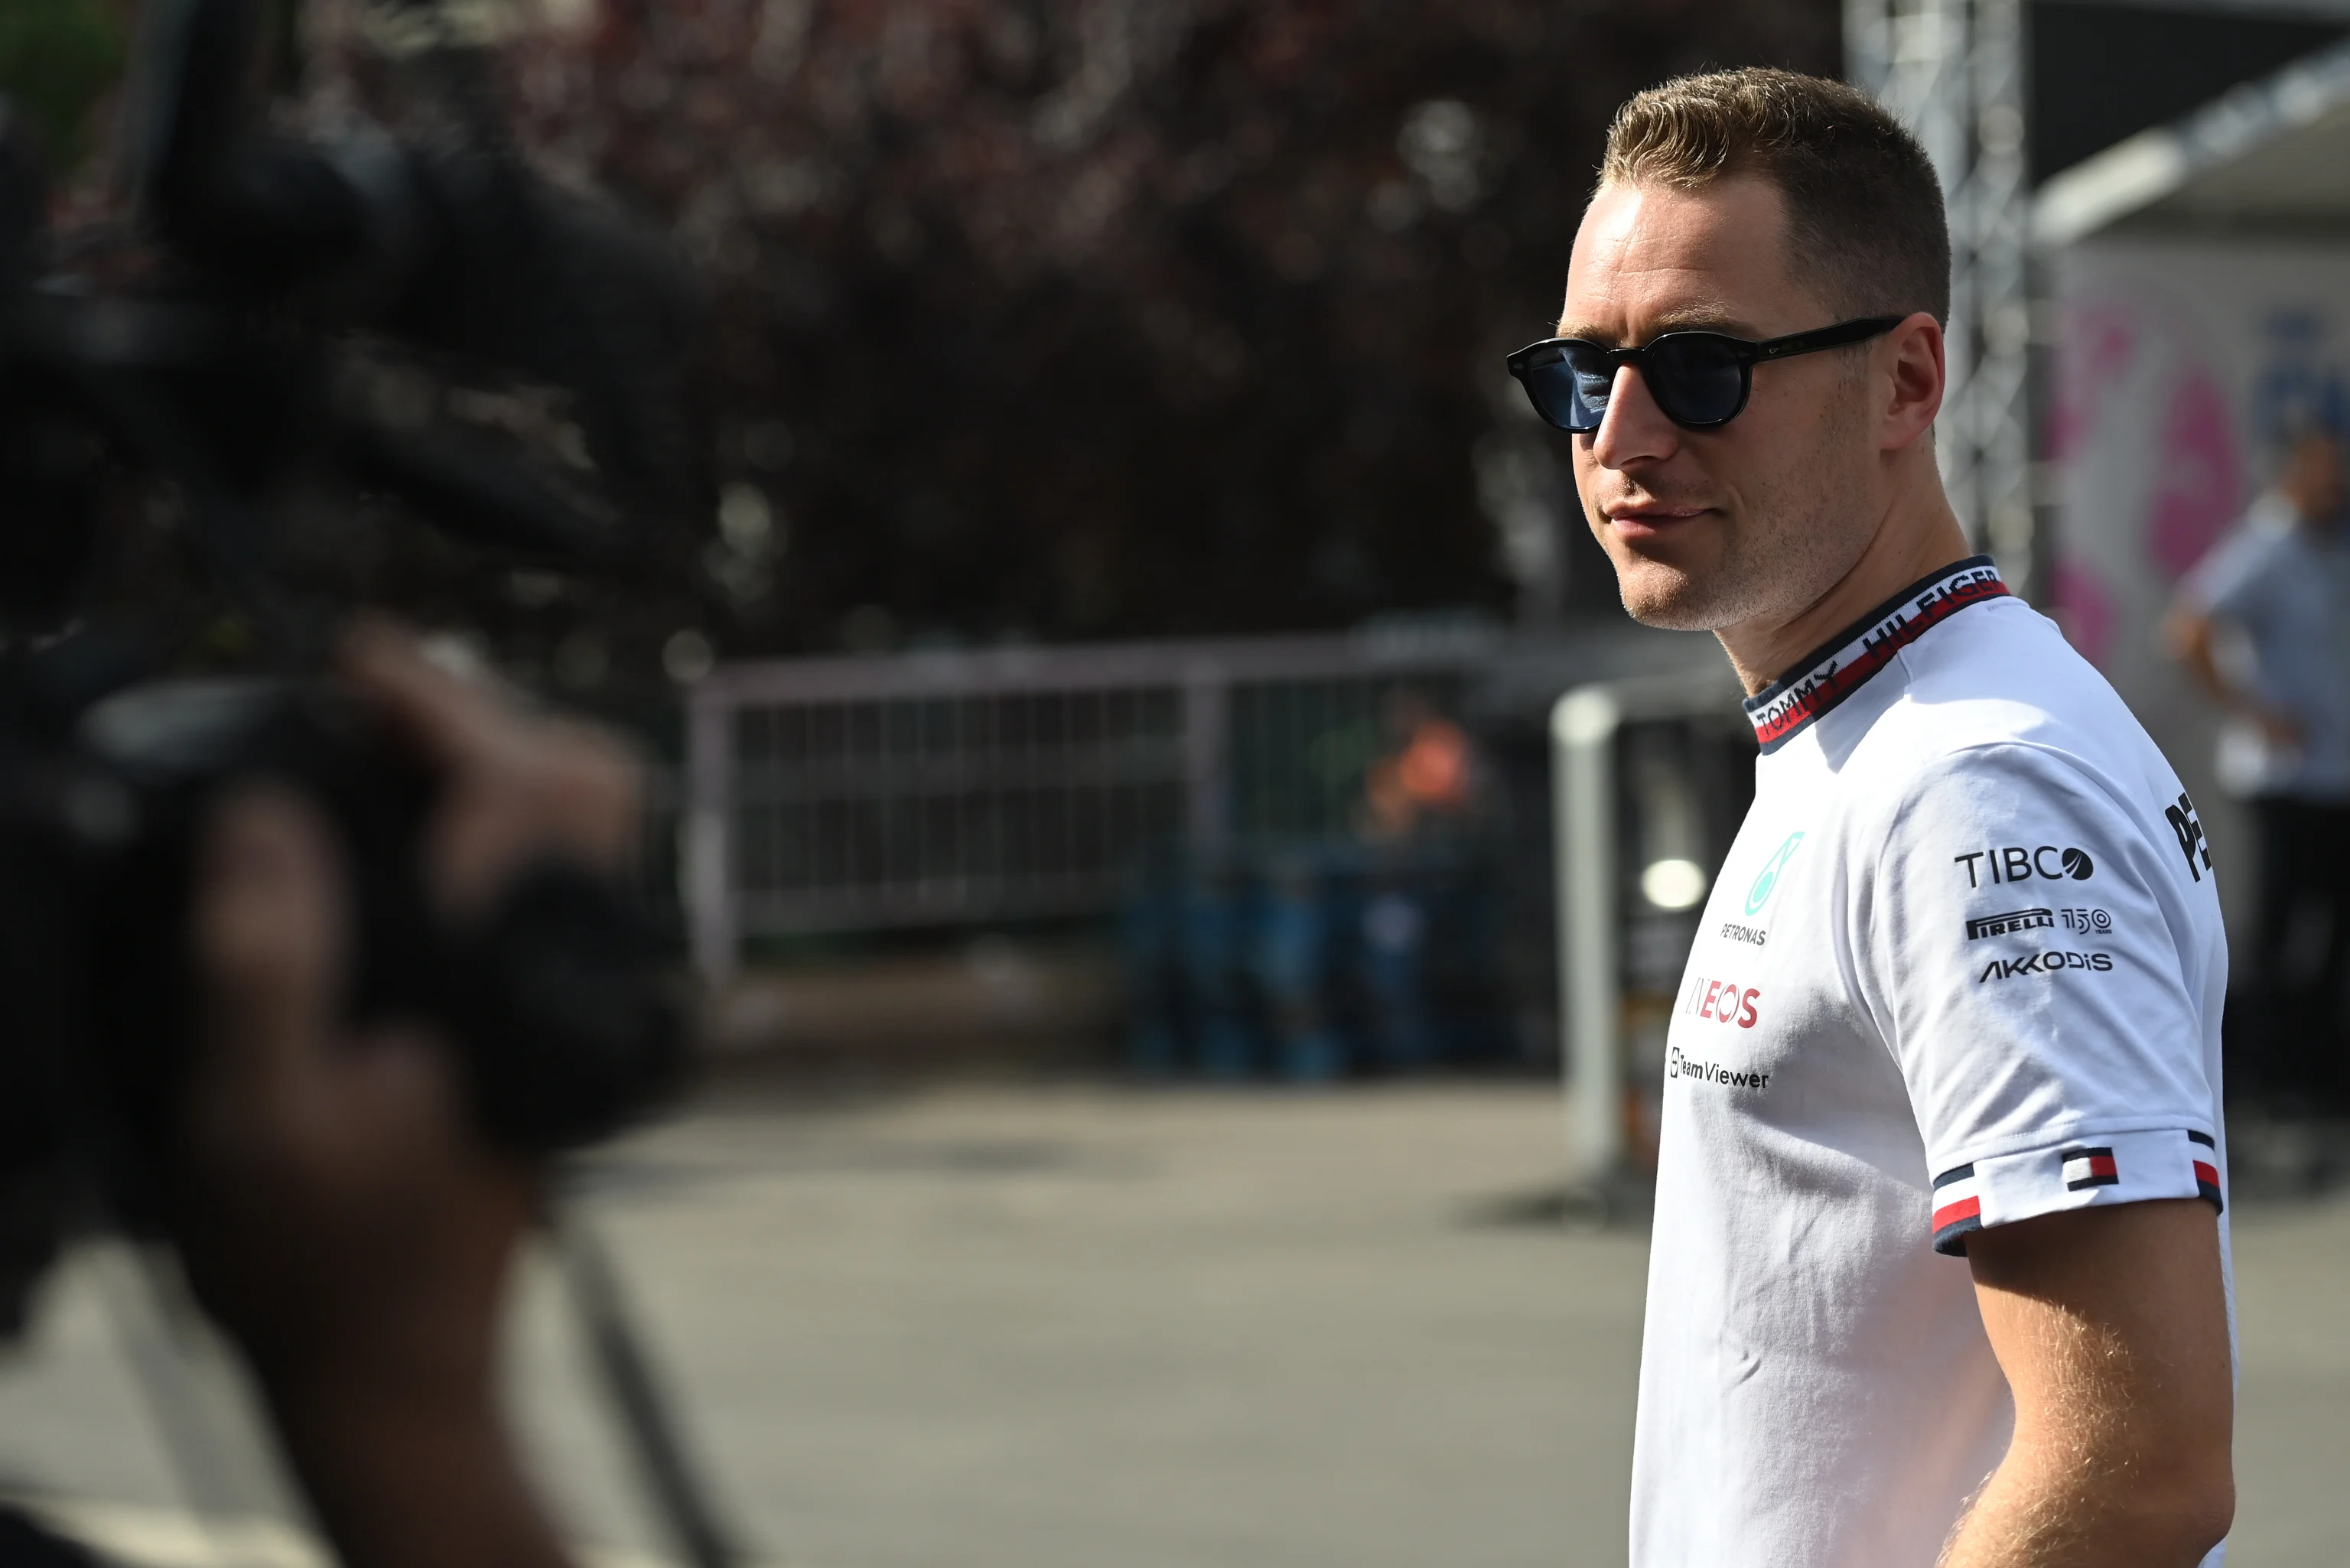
(1315, 962)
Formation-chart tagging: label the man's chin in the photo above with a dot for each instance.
(1669, 599)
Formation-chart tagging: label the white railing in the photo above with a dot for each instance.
(830, 795)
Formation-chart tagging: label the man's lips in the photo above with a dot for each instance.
(1646, 522)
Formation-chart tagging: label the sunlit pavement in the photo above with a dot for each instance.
(1045, 1328)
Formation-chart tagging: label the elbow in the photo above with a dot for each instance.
(2186, 635)
(2205, 1516)
(2183, 1511)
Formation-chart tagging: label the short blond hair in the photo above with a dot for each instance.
(1864, 204)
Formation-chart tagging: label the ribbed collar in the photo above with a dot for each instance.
(1844, 663)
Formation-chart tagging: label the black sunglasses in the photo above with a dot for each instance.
(1700, 379)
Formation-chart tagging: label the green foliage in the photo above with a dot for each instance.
(56, 58)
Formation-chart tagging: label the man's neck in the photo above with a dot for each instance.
(1920, 536)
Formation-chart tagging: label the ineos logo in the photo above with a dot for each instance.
(2014, 863)
(1721, 1002)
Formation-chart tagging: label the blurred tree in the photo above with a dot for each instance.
(1074, 318)
(57, 57)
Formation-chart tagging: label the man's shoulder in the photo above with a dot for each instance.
(2255, 544)
(2263, 544)
(2002, 694)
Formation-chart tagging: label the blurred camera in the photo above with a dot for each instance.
(210, 359)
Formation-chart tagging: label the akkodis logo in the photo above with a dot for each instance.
(1768, 882)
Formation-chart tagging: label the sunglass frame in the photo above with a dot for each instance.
(1747, 353)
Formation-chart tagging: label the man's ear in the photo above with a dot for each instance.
(1915, 396)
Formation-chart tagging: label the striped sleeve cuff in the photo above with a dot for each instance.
(2109, 1168)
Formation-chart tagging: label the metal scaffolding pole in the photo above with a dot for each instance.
(1953, 71)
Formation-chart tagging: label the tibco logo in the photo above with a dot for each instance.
(2014, 863)
(1720, 1001)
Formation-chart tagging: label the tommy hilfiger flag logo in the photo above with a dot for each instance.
(2130, 1166)
(2086, 1167)
(2207, 1172)
(1958, 1209)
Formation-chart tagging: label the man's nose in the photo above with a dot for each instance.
(1633, 427)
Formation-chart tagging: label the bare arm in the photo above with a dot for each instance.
(339, 1218)
(2111, 1325)
(2190, 633)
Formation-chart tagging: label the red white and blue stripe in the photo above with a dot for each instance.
(2206, 1170)
(2087, 1168)
(1958, 1209)
(2132, 1167)
(1782, 710)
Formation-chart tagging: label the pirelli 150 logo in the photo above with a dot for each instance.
(2014, 921)
(2017, 922)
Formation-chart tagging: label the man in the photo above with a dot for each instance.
(337, 1215)
(341, 1221)
(2281, 582)
(1937, 1270)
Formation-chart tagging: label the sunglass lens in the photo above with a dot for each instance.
(1696, 379)
(1570, 390)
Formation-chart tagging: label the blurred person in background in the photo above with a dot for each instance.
(1939, 1267)
(338, 1218)
(1426, 776)
(2263, 625)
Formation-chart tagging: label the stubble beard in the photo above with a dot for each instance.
(1796, 537)
(1722, 592)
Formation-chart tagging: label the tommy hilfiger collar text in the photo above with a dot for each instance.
(1781, 710)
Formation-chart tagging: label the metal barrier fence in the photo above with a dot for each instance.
(1643, 770)
(842, 794)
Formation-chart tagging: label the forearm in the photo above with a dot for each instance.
(2191, 639)
(2112, 1327)
(414, 1478)
(2048, 1507)
(336, 1213)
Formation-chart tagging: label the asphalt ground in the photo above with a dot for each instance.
(1044, 1327)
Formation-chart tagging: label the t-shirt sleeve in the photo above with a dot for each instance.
(2232, 581)
(2022, 943)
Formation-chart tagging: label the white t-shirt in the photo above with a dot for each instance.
(1962, 966)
